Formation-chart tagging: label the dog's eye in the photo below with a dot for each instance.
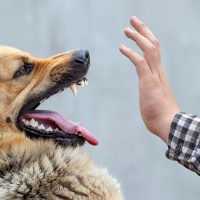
(26, 68)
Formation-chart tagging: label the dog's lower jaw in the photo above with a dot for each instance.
(43, 170)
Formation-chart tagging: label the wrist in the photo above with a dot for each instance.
(163, 129)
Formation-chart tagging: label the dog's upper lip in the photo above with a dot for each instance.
(55, 119)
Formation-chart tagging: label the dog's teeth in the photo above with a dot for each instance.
(49, 129)
(79, 134)
(86, 82)
(82, 83)
(33, 123)
(27, 122)
(56, 129)
(43, 100)
(36, 124)
(23, 120)
(41, 127)
(74, 89)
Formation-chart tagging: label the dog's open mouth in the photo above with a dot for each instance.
(52, 125)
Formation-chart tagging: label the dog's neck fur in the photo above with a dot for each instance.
(11, 135)
(45, 171)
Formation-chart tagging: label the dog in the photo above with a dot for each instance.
(40, 155)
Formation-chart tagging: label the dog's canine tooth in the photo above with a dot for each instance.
(41, 127)
(49, 129)
(74, 89)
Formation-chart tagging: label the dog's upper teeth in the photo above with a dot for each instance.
(62, 90)
(74, 86)
(86, 82)
(82, 83)
(74, 89)
(43, 100)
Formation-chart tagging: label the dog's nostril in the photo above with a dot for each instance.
(81, 56)
(79, 60)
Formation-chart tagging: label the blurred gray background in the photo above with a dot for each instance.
(108, 106)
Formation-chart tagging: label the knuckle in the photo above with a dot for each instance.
(141, 61)
(156, 42)
(152, 48)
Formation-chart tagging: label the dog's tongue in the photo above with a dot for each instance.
(68, 126)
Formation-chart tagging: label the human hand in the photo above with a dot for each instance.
(157, 105)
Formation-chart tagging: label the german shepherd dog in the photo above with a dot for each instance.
(40, 156)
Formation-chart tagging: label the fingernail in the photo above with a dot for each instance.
(134, 18)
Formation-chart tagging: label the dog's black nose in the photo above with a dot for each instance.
(82, 56)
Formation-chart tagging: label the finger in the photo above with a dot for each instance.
(144, 30)
(140, 63)
(150, 51)
(144, 44)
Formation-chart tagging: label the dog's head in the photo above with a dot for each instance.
(26, 81)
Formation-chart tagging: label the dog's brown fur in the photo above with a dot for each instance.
(41, 169)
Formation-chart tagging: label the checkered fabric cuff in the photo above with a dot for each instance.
(183, 141)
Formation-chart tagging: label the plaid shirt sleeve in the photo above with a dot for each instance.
(184, 141)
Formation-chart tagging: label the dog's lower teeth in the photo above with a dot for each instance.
(41, 127)
(33, 123)
(49, 129)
